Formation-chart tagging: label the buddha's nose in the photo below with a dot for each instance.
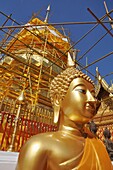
(90, 97)
(92, 100)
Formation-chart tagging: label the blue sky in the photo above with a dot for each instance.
(71, 11)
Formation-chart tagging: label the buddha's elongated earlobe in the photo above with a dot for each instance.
(70, 62)
(56, 114)
(56, 108)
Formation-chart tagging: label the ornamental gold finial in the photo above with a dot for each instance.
(21, 96)
(47, 14)
(70, 62)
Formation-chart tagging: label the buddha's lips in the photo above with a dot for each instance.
(91, 109)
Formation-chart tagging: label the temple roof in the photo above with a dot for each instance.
(104, 93)
(102, 87)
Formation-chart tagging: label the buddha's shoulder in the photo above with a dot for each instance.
(43, 143)
(43, 140)
(51, 140)
(51, 136)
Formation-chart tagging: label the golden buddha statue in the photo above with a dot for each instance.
(72, 147)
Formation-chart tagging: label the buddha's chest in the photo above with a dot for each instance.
(67, 156)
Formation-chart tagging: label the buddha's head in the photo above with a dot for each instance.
(73, 94)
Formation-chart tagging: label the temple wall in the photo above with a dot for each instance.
(8, 160)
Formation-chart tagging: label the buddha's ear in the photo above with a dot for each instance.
(56, 106)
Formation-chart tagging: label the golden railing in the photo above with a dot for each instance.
(25, 129)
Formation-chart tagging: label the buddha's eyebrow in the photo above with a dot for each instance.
(81, 84)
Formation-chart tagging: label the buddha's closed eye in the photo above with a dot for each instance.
(81, 90)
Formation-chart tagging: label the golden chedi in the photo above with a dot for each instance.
(72, 147)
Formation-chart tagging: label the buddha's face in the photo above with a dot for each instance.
(79, 104)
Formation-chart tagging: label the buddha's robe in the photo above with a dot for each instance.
(95, 156)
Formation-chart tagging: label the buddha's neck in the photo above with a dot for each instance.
(70, 127)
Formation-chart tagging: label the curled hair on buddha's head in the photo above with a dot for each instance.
(61, 83)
